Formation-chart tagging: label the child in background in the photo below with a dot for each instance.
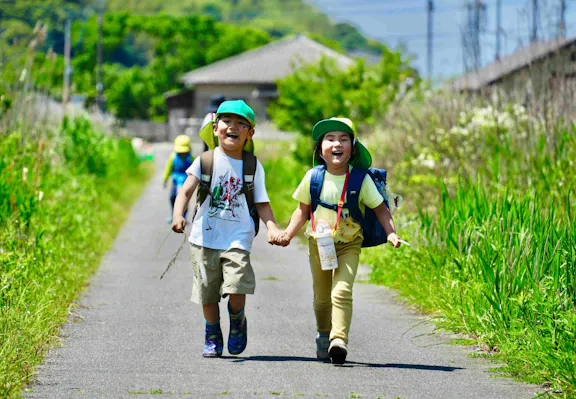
(175, 170)
(225, 224)
(337, 148)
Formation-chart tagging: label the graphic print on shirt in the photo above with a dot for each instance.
(226, 203)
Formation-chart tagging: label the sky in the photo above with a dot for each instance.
(404, 23)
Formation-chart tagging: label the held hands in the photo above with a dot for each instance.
(278, 237)
(178, 224)
(394, 240)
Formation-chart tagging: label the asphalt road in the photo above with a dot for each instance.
(134, 334)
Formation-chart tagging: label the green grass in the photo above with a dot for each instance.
(497, 259)
(64, 193)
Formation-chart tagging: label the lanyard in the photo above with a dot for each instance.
(340, 205)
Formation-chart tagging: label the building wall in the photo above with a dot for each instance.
(176, 123)
(546, 85)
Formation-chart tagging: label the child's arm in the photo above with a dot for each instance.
(298, 219)
(385, 218)
(265, 213)
(178, 220)
(168, 169)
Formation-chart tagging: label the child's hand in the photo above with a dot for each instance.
(272, 233)
(278, 237)
(394, 240)
(178, 224)
(282, 239)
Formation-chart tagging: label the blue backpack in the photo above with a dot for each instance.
(179, 166)
(374, 233)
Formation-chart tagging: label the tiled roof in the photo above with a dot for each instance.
(509, 64)
(264, 64)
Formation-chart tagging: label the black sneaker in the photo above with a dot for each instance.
(338, 351)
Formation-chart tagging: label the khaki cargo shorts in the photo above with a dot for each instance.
(218, 272)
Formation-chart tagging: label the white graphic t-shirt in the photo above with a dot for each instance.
(225, 222)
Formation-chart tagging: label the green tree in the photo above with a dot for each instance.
(323, 90)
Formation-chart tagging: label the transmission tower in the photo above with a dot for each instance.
(475, 25)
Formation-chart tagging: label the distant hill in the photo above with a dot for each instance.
(277, 17)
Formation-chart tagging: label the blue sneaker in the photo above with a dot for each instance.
(238, 337)
(214, 342)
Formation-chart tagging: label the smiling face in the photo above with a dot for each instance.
(232, 131)
(336, 149)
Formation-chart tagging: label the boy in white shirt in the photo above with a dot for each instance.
(223, 228)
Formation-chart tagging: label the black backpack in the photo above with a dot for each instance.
(249, 163)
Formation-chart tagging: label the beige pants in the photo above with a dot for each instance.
(219, 272)
(333, 289)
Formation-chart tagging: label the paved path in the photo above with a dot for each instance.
(136, 334)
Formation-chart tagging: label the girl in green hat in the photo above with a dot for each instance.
(339, 151)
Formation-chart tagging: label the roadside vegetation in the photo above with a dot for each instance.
(65, 190)
(488, 208)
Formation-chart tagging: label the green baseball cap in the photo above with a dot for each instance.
(362, 157)
(237, 107)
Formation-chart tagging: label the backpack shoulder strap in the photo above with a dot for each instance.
(353, 193)
(206, 170)
(249, 163)
(316, 182)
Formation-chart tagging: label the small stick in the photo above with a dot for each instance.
(174, 257)
(404, 242)
(163, 241)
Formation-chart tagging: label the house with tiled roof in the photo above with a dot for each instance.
(250, 76)
(539, 73)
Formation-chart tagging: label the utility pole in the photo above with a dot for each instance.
(430, 37)
(534, 35)
(562, 24)
(498, 27)
(67, 66)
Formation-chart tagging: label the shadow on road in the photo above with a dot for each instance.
(347, 364)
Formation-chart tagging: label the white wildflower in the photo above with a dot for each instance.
(428, 163)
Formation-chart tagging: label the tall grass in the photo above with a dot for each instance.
(495, 254)
(64, 192)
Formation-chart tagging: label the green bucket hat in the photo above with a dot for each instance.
(237, 107)
(362, 157)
